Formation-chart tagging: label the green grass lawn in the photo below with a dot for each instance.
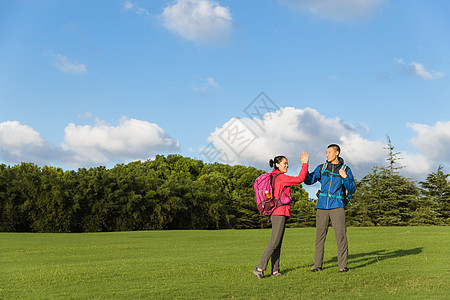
(385, 263)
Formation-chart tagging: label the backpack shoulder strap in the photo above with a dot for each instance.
(344, 166)
(273, 186)
(272, 179)
(323, 168)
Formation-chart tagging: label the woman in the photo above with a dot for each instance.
(280, 214)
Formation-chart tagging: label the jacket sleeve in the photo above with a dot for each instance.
(313, 177)
(349, 182)
(293, 180)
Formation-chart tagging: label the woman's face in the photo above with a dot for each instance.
(283, 165)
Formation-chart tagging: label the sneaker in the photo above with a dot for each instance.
(277, 273)
(258, 274)
(343, 270)
(315, 269)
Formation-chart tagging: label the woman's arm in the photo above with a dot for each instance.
(293, 180)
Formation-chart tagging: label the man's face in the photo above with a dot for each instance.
(332, 154)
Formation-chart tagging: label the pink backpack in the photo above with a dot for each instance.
(264, 194)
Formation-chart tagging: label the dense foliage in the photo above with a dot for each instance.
(176, 192)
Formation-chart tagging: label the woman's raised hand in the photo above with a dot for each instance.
(304, 157)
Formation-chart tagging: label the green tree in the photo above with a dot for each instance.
(26, 186)
(434, 206)
(303, 210)
(243, 205)
(12, 216)
(54, 207)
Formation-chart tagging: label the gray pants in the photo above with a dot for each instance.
(337, 217)
(273, 250)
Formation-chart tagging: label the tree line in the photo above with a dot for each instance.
(177, 192)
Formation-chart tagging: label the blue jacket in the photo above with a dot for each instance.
(331, 184)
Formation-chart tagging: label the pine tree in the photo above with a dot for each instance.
(393, 158)
(434, 206)
(384, 197)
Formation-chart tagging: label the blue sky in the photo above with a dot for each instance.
(88, 83)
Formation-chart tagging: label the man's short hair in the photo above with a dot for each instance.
(336, 147)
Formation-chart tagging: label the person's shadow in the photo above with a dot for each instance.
(361, 260)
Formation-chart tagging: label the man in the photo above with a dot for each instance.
(334, 176)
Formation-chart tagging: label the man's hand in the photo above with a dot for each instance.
(343, 173)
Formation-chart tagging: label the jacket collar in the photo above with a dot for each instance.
(339, 164)
(275, 171)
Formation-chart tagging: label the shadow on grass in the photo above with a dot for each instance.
(287, 270)
(361, 260)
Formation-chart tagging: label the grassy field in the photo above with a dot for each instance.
(385, 263)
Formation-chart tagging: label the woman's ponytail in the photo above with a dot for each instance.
(273, 162)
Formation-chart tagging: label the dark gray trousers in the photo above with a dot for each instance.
(273, 250)
(337, 217)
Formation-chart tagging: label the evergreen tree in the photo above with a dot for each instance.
(434, 206)
(384, 197)
(392, 158)
(303, 210)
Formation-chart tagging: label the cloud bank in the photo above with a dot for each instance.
(86, 145)
(20, 143)
(131, 139)
(290, 131)
(247, 141)
(433, 141)
(202, 21)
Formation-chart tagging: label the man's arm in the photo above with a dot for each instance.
(349, 180)
(313, 177)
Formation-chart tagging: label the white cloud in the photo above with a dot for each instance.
(203, 21)
(207, 85)
(128, 5)
(415, 164)
(335, 9)
(290, 131)
(433, 141)
(21, 143)
(102, 143)
(15, 135)
(212, 82)
(85, 145)
(418, 69)
(87, 115)
(66, 65)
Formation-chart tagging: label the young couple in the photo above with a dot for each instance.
(332, 175)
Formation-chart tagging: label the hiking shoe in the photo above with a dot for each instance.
(258, 274)
(343, 270)
(315, 269)
(278, 273)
